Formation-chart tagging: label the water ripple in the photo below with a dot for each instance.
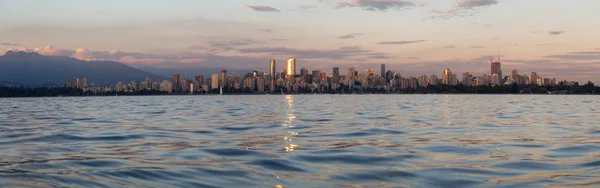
(301, 141)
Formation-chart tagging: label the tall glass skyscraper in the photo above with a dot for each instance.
(291, 67)
(272, 69)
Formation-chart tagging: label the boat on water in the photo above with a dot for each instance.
(220, 90)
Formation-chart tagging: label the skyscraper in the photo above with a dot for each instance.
(291, 67)
(351, 72)
(223, 79)
(369, 71)
(514, 76)
(534, 77)
(84, 82)
(382, 70)
(496, 68)
(447, 77)
(175, 82)
(215, 81)
(200, 80)
(272, 69)
(466, 79)
(336, 75)
(148, 85)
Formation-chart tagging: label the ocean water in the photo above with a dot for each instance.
(301, 141)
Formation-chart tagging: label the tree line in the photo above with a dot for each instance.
(588, 88)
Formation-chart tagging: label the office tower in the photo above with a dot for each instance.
(200, 80)
(84, 82)
(304, 71)
(534, 77)
(382, 70)
(135, 85)
(433, 80)
(175, 82)
(336, 72)
(255, 74)
(389, 75)
(466, 79)
(447, 77)
(148, 85)
(291, 67)
(495, 79)
(316, 75)
(496, 68)
(351, 72)
(423, 81)
(215, 81)
(369, 71)
(272, 69)
(223, 79)
(514, 76)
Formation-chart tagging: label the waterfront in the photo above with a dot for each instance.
(301, 141)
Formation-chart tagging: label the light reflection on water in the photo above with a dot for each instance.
(301, 141)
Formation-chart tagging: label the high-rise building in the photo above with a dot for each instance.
(84, 82)
(534, 77)
(351, 72)
(135, 85)
(382, 70)
(304, 71)
(119, 87)
(175, 82)
(495, 79)
(447, 77)
(496, 67)
(466, 79)
(200, 80)
(148, 85)
(316, 75)
(369, 71)
(272, 69)
(514, 76)
(291, 67)
(223, 79)
(215, 81)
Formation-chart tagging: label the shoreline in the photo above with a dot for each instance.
(279, 94)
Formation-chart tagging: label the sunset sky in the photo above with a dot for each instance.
(556, 38)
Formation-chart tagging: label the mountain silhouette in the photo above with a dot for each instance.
(31, 68)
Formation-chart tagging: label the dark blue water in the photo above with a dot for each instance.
(301, 141)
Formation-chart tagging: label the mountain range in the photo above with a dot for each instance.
(31, 68)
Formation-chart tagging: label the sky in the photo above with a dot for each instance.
(556, 38)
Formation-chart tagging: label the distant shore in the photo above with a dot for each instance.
(588, 89)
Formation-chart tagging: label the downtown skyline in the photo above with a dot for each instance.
(555, 39)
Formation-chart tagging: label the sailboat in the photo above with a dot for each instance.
(220, 90)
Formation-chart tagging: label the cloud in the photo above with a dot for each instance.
(578, 56)
(556, 32)
(463, 8)
(263, 8)
(477, 47)
(51, 51)
(225, 45)
(400, 42)
(412, 57)
(306, 7)
(265, 30)
(376, 5)
(349, 36)
(547, 44)
(449, 47)
(340, 53)
(476, 3)
(8, 44)
(83, 54)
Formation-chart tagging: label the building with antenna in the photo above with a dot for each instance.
(496, 67)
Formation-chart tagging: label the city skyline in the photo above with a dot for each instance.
(556, 39)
